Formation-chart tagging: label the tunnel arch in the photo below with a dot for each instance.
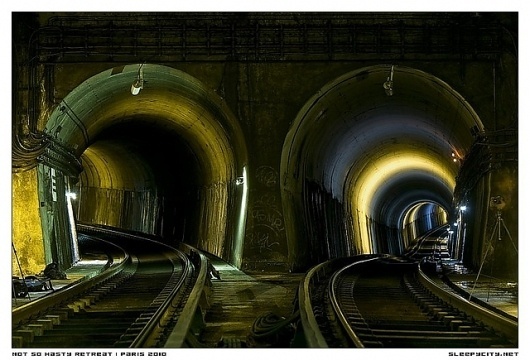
(355, 156)
(112, 131)
(420, 217)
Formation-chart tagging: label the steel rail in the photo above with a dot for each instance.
(310, 327)
(159, 320)
(504, 328)
(189, 311)
(147, 337)
(507, 326)
(74, 290)
(312, 333)
(192, 309)
(337, 306)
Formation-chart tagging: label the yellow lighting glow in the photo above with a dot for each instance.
(364, 188)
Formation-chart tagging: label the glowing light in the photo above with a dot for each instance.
(238, 251)
(392, 165)
(136, 87)
(71, 195)
(363, 190)
(73, 230)
(139, 82)
(388, 85)
(456, 157)
(463, 208)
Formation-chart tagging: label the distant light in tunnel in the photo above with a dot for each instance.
(463, 208)
(456, 157)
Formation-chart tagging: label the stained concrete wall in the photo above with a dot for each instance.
(27, 240)
(266, 96)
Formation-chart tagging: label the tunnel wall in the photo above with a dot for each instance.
(53, 189)
(491, 238)
(28, 244)
(414, 229)
(505, 260)
(266, 96)
(134, 210)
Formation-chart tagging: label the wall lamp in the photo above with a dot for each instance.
(138, 84)
(388, 85)
(456, 157)
(71, 195)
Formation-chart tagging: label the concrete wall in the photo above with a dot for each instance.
(265, 97)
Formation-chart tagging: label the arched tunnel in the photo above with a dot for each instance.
(374, 157)
(269, 159)
(148, 156)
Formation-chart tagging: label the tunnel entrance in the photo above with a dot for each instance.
(163, 159)
(357, 157)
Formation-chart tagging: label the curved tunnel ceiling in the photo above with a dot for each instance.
(381, 154)
(102, 158)
(398, 197)
(170, 100)
(422, 210)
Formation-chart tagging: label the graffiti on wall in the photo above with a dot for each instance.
(266, 218)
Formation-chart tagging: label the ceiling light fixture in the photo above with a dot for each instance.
(139, 82)
(389, 83)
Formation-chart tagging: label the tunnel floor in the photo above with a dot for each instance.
(240, 298)
(499, 293)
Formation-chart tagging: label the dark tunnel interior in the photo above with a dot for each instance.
(165, 159)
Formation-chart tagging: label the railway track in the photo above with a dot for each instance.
(431, 245)
(388, 307)
(135, 306)
(380, 302)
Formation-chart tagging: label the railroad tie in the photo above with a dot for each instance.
(56, 319)
(26, 335)
(231, 342)
(17, 342)
(38, 329)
